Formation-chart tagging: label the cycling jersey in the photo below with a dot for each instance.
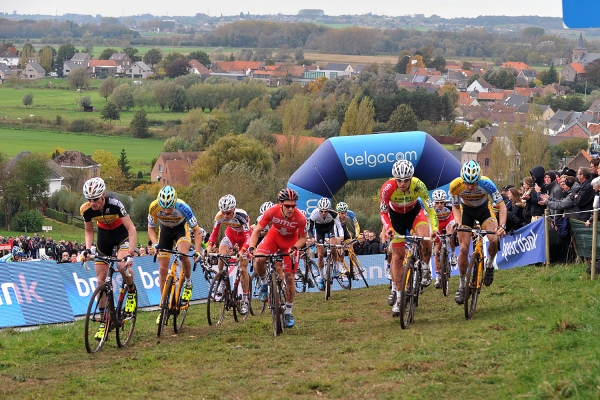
(319, 225)
(478, 197)
(181, 213)
(238, 225)
(445, 217)
(350, 216)
(396, 201)
(7, 258)
(111, 231)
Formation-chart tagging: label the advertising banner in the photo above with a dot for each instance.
(525, 246)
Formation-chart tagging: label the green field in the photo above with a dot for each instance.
(534, 336)
(164, 49)
(140, 152)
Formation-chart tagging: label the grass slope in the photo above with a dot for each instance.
(534, 335)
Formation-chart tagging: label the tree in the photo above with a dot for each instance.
(132, 53)
(152, 57)
(110, 170)
(119, 96)
(439, 63)
(65, 53)
(85, 101)
(139, 125)
(110, 112)
(107, 53)
(107, 86)
(27, 99)
(416, 61)
(178, 100)
(79, 77)
(403, 119)
(163, 91)
(295, 117)
(201, 57)
(27, 53)
(124, 164)
(47, 57)
(550, 76)
(592, 71)
(28, 181)
(358, 120)
(178, 67)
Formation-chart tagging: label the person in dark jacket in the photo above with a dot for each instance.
(360, 247)
(584, 198)
(373, 244)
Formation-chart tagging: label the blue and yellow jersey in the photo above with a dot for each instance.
(350, 216)
(402, 202)
(477, 197)
(182, 213)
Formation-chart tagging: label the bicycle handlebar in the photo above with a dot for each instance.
(478, 231)
(411, 237)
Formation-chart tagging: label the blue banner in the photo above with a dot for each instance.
(525, 246)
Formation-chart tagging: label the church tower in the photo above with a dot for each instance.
(579, 50)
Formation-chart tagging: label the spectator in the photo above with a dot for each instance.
(594, 162)
(65, 258)
(373, 244)
(596, 187)
(537, 173)
(143, 252)
(564, 205)
(584, 198)
(504, 193)
(360, 247)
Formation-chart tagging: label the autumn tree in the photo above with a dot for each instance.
(110, 170)
(295, 117)
(403, 119)
(107, 53)
(358, 120)
(152, 57)
(27, 99)
(79, 77)
(106, 87)
(110, 112)
(47, 54)
(415, 61)
(27, 53)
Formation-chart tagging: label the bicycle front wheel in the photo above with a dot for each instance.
(275, 305)
(125, 321)
(344, 279)
(97, 316)
(358, 269)
(256, 306)
(314, 272)
(163, 320)
(407, 299)
(216, 303)
(445, 271)
(182, 308)
(328, 278)
(472, 288)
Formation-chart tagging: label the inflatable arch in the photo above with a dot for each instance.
(348, 158)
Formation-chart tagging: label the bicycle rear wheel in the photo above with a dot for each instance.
(165, 302)
(407, 294)
(300, 277)
(182, 308)
(471, 290)
(216, 303)
(125, 321)
(358, 269)
(344, 279)
(95, 317)
(445, 271)
(328, 278)
(275, 305)
(256, 306)
(314, 272)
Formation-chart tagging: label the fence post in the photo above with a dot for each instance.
(594, 239)
(547, 233)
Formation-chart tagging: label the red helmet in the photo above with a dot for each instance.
(287, 194)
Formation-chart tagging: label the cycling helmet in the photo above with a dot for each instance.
(439, 195)
(403, 169)
(15, 250)
(287, 194)
(265, 206)
(94, 188)
(167, 197)
(341, 207)
(324, 204)
(227, 203)
(470, 172)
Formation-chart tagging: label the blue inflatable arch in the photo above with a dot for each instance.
(349, 158)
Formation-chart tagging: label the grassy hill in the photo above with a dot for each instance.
(534, 335)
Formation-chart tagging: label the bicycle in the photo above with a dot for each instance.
(474, 278)
(354, 268)
(222, 296)
(307, 272)
(330, 271)
(445, 267)
(170, 298)
(276, 291)
(113, 318)
(411, 277)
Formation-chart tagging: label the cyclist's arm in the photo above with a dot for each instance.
(301, 240)
(128, 223)
(89, 234)
(311, 228)
(152, 234)
(214, 234)
(456, 214)
(339, 230)
(255, 235)
(197, 238)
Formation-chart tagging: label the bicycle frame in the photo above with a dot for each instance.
(276, 296)
(230, 298)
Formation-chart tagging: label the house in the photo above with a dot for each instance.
(196, 67)
(575, 130)
(123, 62)
(572, 71)
(483, 135)
(10, 59)
(235, 67)
(554, 89)
(68, 66)
(5, 72)
(480, 85)
(458, 79)
(511, 156)
(102, 68)
(80, 166)
(580, 54)
(526, 76)
(546, 111)
(489, 97)
(174, 168)
(516, 65)
(139, 70)
(582, 159)
(33, 70)
(515, 101)
(81, 59)
(339, 67)
(470, 150)
(57, 175)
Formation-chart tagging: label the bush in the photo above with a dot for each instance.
(57, 215)
(29, 221)
(85, 101)
(80, 125)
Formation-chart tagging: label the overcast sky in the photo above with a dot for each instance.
(443, 8)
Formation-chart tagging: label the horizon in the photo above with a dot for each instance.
(443, 9)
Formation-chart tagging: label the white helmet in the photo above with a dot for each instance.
(94, 188)
(439, 195)
(403, 169)
(265, 206)
(324, 204)
(227, 203)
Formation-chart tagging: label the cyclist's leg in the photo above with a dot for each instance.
(183, 240)
(490, 224)
(289, 269)
(266, 247)
(101, 269)
(420, 226)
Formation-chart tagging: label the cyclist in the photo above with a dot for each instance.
(447, 224)
(175, 219)
(402, 211)
(115, 229)
(345, 215)
(287, 234)
(470, 203)
(16, 254)
(323, 221)
(237, 233)
(264, 207)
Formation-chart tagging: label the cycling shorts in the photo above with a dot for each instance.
(484, 214)
(273, 243)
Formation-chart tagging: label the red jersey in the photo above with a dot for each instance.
(287, 228)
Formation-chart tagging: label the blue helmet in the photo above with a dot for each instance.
(167, 197)
(470, 172)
